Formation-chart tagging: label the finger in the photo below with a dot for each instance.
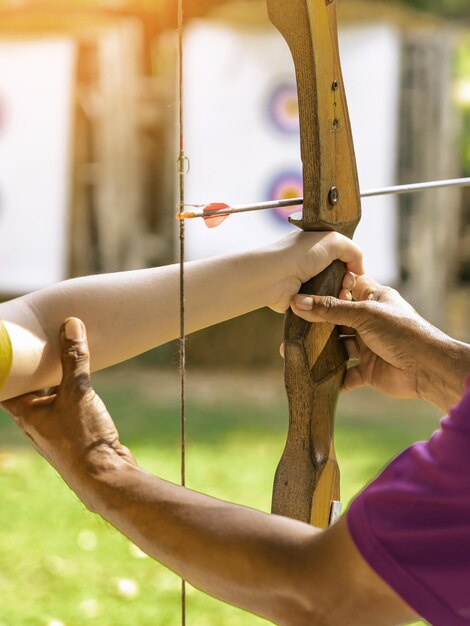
(328, 309)
(342, 248)
(39, 402)
(282, 350)
(18, 407)
(367, 288)
(345, 294)
(353, 379)
(352, 348)
(75, 357)
(349, 281)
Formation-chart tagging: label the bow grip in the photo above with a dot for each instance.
(307, 478)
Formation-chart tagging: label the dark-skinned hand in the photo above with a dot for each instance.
(394, 349)
(70, 425)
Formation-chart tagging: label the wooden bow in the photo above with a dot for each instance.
(306, 485)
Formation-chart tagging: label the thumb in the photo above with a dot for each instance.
(75, 358)
(329, 309)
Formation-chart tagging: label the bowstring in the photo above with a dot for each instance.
(182, 160)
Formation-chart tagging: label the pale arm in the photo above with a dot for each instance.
(129, 313)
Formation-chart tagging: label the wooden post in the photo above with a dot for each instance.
(431, 220)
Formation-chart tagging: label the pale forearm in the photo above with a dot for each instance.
(129, 313)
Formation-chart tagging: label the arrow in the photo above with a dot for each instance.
(215, 213)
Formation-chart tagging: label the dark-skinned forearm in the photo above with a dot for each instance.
(225, 550)
(442, 380)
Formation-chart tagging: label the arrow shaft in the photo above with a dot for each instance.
(292, 202)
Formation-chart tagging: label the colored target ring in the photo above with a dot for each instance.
(285, 186)
(283, 108)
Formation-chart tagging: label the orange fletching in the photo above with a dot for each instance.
(212, 221)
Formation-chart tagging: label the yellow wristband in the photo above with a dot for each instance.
(6, 355)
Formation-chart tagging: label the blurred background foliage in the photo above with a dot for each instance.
(462, 68)
(446, 8)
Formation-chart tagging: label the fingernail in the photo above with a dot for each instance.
(304, 303)
(73, 330)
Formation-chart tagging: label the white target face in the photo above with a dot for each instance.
(36, 86)
(243, 140)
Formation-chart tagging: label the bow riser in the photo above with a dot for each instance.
(307, 479)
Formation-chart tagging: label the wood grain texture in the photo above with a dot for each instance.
(307, 479)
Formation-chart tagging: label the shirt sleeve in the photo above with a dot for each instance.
(412, 524)
(6, 354)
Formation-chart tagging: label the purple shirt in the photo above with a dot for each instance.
(412, 524)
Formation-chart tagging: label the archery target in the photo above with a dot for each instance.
(285, 186)
(244, 144)
(36, 91)
(283, 107)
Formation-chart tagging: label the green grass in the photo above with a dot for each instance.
(59, 564)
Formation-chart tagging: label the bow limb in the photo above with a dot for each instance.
(307, 479)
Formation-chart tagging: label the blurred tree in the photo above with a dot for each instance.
(463, 97)
(447, 8)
